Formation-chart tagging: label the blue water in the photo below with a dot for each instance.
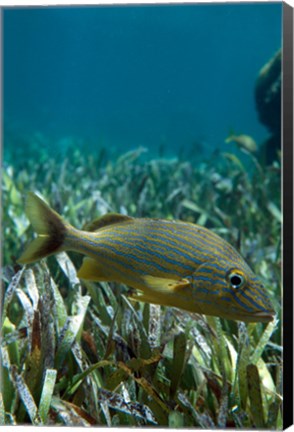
(121, 77)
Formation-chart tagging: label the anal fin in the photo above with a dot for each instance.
(93, 271)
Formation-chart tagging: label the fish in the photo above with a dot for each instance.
(245, 142)
(165, 262)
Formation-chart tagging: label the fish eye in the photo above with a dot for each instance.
(236, 280)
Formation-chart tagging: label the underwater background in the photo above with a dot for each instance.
(149, 111)
(157, 76)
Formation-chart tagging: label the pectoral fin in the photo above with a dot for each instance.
(160, 291)
(165, 285)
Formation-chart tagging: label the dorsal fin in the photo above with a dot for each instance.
(108, 219)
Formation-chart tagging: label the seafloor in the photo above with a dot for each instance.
(82, 353)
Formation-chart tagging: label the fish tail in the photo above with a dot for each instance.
(230, 136)
(49, 226)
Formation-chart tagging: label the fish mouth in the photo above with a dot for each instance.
(260, 316)
(264, 316)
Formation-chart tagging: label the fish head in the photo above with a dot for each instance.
(231, 290)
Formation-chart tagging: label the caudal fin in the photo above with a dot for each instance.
(49, 226)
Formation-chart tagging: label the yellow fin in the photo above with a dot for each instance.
(165, 285)
(92, 270)
(108, 219)
(49, 226)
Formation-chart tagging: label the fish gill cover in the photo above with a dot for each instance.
(150, 112)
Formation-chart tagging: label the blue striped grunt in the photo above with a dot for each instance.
(169, 263)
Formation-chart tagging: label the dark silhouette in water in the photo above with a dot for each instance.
(268, 104)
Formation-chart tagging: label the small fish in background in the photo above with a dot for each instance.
(244, 142)
(169, 263)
